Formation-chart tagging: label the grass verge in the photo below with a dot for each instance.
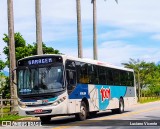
(10, 118)
(149, 99)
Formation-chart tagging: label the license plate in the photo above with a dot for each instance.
(38, 111)
(45, 101)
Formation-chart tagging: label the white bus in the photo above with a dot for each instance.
(51, 85)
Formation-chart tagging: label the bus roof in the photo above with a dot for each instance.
(87, 60)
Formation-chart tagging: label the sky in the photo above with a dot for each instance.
(129, 29)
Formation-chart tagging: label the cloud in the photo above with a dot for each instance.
(117, 52)
(133, 15)
(125, 20)
(116, 34)
(156, 37)
(3, 26)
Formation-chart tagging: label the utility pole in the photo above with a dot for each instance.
(38, 27)
(79, 29)
(12, 59)
(95, 56)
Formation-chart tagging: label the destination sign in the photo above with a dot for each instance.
(40, 61)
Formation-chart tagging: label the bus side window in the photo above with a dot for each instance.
(116, 77)
(102, 75)
(110, 76)
(84, 73)
(70, 75)
(122, 78)
(93, 74)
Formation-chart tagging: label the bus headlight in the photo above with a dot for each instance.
(22, 105)
(59, 101)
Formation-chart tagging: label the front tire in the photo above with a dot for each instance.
(83, 112)
(45, 119)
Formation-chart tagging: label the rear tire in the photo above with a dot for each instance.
(83, 112)
(121, 106)
(120, 109)
(45, 119)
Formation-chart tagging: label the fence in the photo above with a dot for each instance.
(6, 106)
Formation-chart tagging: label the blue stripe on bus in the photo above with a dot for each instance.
(115, 92)
(80, 91)
(34, 100)
(28, 100)
(52, 99)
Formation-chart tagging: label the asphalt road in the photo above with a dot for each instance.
(140, 116)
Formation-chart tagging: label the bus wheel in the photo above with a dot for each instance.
(45, 119)
(83, 112)
(120, 109)
(121, 106)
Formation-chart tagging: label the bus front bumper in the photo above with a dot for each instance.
(43, 110)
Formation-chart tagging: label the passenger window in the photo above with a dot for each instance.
(93, 74)
(110, 76)
(116, 77)
(123, 78)
(102, 75)
(84, 73)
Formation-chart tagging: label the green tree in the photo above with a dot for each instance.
(153, 80)
(5, 89)
(46, 50)
(147, 76)
(2, 76)
(20, 47)
(2, 65)
(3, 79)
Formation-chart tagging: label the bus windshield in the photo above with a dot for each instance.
(38, 80)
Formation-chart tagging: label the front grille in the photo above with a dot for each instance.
(38, 105)
(33, 113)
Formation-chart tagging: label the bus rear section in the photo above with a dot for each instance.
(93, 87)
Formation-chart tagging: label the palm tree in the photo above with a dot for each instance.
(12, 59)
(79, 29)
(95, 54)
(94, 31)
(38, 27)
